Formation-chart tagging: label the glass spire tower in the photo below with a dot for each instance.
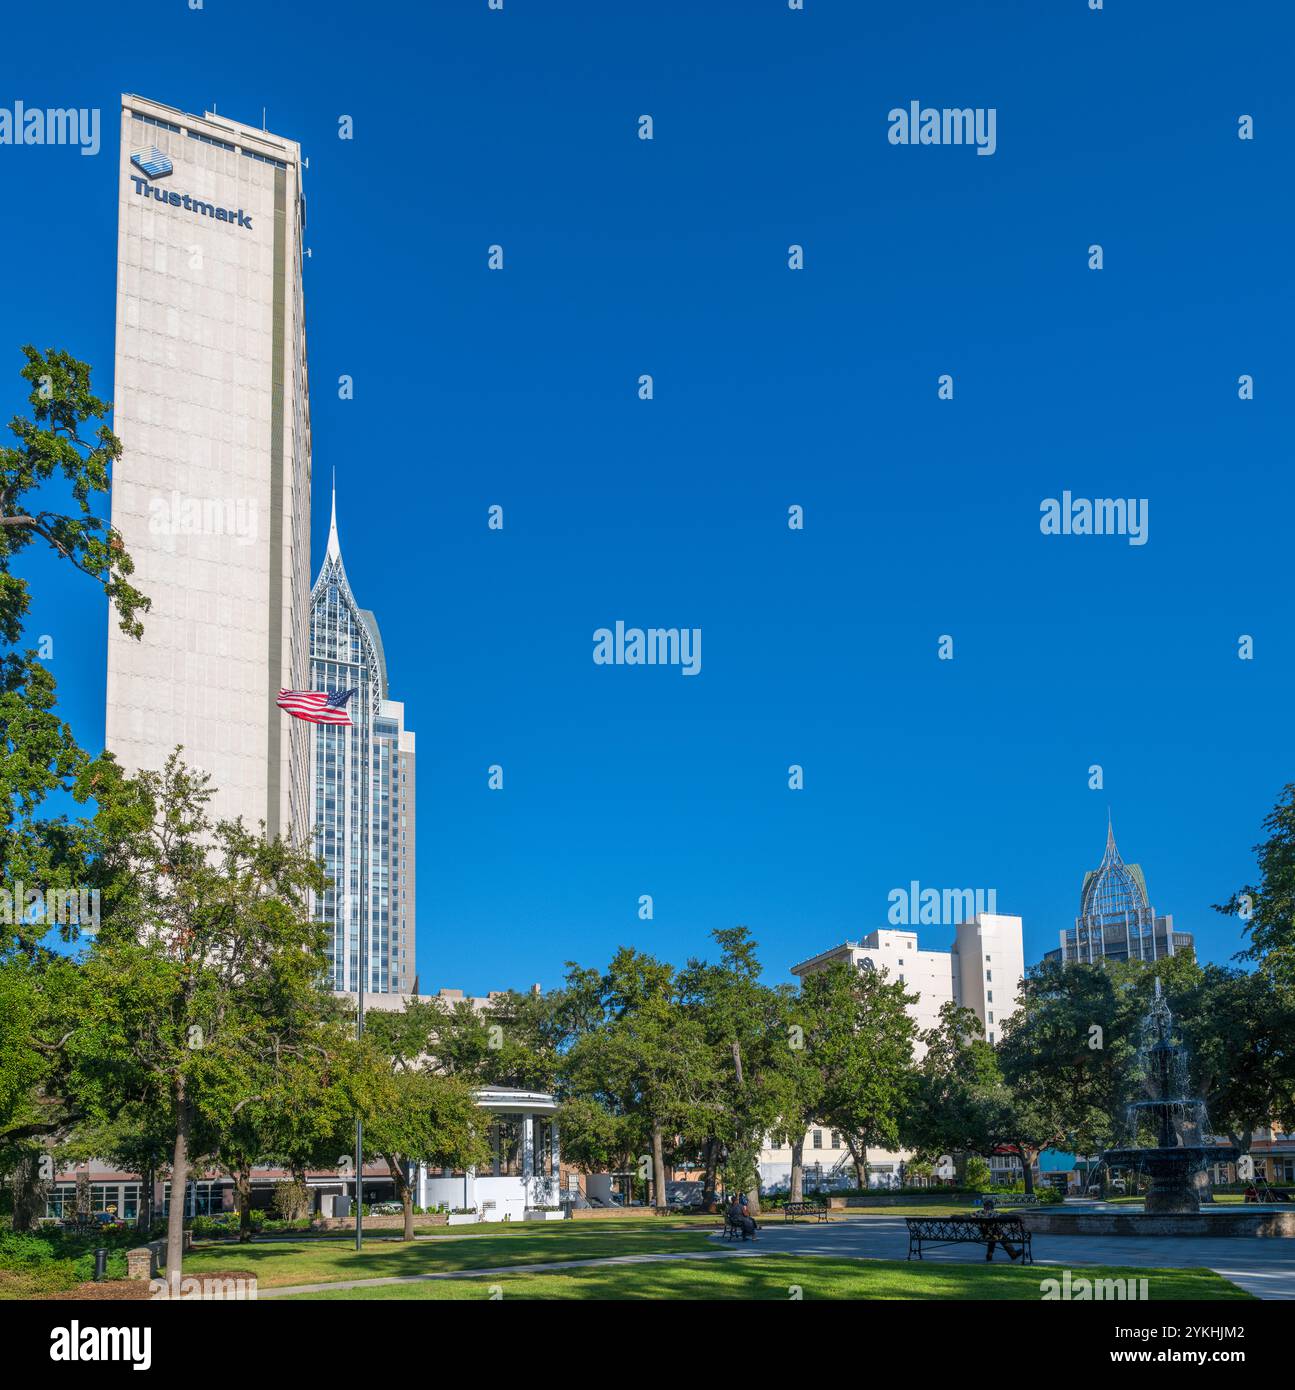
(1116, 920)
(362, 793)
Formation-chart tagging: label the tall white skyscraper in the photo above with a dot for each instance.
(362, 792)
(212, 492)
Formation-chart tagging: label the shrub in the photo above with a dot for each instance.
(53, 1261)
(214, 1225)
(979, 1177)
(291, 1200)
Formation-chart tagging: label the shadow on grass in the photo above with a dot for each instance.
(788, 1278)
(315, 1261)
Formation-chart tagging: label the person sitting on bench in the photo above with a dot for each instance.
(1011, 1254)
(740, 1216)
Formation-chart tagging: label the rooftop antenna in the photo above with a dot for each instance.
(263, 118)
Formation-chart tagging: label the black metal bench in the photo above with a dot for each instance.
(993, 1204)
(815, 1209)
(732, 1231)
(989, 1231)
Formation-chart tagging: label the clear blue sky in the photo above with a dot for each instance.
(772, 388)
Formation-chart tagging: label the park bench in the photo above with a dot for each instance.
(732, 1231)
(989, 1231)
(1019, 1199)
(794, 1209)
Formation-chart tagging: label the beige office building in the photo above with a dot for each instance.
(982, 971)
(212, 492)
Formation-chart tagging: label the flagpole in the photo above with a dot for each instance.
(363, 967)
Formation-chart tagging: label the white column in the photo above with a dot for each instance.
(528, 1146)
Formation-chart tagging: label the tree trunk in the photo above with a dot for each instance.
(796, 1188)
(243, 1201)
(179, 1186)
(859, 1157)
(1026, 1157)
(753, 1196)
(709, 1167)
(405, 1191)
(83, 1202)
(29, 1193)
(1027, 1166)
(658, 1169)
(144, 1212)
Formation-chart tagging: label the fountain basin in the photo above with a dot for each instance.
(1170, 1169)
(1233, 1220)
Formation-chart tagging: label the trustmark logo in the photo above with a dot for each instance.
(152, 162)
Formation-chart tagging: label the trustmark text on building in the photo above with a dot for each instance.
(153, 164)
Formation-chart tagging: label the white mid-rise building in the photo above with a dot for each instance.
(982, 971)
(212, 491)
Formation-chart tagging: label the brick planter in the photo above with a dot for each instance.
(378, 1223)
(598, 1213)
(144, 1261)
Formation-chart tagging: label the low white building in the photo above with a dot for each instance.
(982, 971)
(524, 1173)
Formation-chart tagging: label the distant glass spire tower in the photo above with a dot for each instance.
(354, 841)
(1116, 921)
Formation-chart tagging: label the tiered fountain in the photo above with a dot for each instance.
(1167, 1132)
(1175, 1121)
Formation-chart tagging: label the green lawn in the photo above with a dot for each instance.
(766, 1277)
(317, 1261)
(320, 1259)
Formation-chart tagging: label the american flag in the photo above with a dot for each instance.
(317, 706)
